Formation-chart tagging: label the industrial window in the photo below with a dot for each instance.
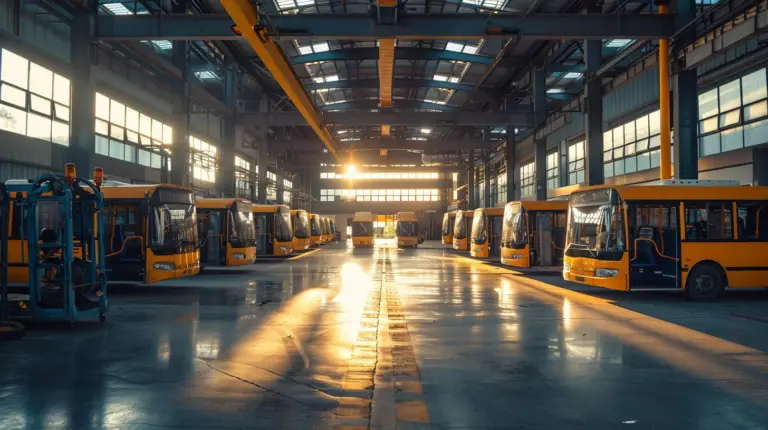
(243, 176)
(287, 197)
(202, 159)
(734, 115)
(34, 101)
(382, 195)
(575, 163)
(632, 146)
(553, 170)
(271, 192)
(287, 184)
(527, 179)
(381, 175)
(271, 176)
(501, 188)
(128, 135)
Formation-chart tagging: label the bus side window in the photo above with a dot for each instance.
(752, 221)
(709, 221)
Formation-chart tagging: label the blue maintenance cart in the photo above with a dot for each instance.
(67, 279)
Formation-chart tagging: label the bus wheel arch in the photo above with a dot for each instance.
(706, 281)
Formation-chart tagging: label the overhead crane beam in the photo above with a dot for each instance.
(244, 16)
(522, 118)
(388, 144)
(401, 53)
(412, 27)
(396, 83)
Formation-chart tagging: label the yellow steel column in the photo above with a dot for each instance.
(665, 170)
(244, 15)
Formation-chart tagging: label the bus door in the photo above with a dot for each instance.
(211, 228)
(125, 246)
(545, 254)
(264, 226)
(654, 246)
(494, 246)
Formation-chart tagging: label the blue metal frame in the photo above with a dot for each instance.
(79, 201)
(403, 53)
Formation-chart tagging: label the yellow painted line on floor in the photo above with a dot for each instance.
(303, 254)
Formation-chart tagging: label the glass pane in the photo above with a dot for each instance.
(641, 124)
(654, 119)
(641, 145)
(117, 132)
(167, 135)
(13, 96)
(654, 142)
(62, 112)
(102, 145)
(655, 158)
(730, 118)
(144, 158)
(756, 133)
(731, 139)
(157, 161)
(608, 170)
(130, 153)
(38, 127)
(61, 90)
(618, 137)
(101, 127)
(116, 149)
(580, 150)
(157, 130)
(12, 119)
(644, 161)
(618, 167)
(630, 165)
(607, 140)
(629, 132)
(39, 104)
(132, 136)
(40, 80)
(754, 86)
(60, 133)
(755, 111)
(730, 96)
(708, 104)
(607, 156)
(117, 113)
(145, 125)
(102, 107)
(131, 119)
(710, 144)
(14, 69)
(708, 125)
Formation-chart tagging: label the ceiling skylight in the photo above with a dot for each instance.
(573, 75)
(426, 130)
(117, 9)
(206, 75)
(618, 43)
(441, 78)
(555, 91)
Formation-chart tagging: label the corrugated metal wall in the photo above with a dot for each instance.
(635, 94)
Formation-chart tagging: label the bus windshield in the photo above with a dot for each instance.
(406, 228)
(241, 231)
(301, 225)
(362, 228)
(174, 228)
(447, 225)
(595, 226)
(513, 232)
(460, 232)
(478, 229)
(314, 224)
(283, 232)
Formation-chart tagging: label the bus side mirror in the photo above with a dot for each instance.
(145, 207)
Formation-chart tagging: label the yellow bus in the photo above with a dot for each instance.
(406, 230)
(696, 236)
(332, 227)
(326, 225)
(486, 232)
(300, 223)
(274, 234)
(449, 219)
(362, 230)
(461, 230)
(533, 234)
(150, 232)
(315, 230)
(225, 229)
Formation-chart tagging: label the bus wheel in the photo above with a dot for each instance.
(704, 283)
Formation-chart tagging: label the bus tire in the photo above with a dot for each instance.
(10, 330)
(705, 282)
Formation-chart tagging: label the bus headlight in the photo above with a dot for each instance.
(606, 273)
(566, 268)
(164, 266)
(238, 256)
(285, 249)
(516, 256)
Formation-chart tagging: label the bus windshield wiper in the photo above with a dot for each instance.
(582, 246)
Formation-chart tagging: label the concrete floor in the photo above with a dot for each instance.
(387, 338)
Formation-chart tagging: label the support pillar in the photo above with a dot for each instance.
(487, 179)
(471, 181)
(540, 166)
(226, 177)
(685, 98)
(180, 166)
(593, 119)
(511, 163)
(262, 170)
(82, 142)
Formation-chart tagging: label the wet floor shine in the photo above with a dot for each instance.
(387, 338)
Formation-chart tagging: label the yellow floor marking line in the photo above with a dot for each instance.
(303, 254)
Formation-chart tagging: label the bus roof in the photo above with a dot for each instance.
(363, 217)
(297, 211)
(542, 205)
(218, 203)
(701, 191)
(406, 216)
(117, 190)
(490, 211)
(270, 208)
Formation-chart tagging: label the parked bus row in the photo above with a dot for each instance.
(700, 237)
(406, 230)
(158, 232)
